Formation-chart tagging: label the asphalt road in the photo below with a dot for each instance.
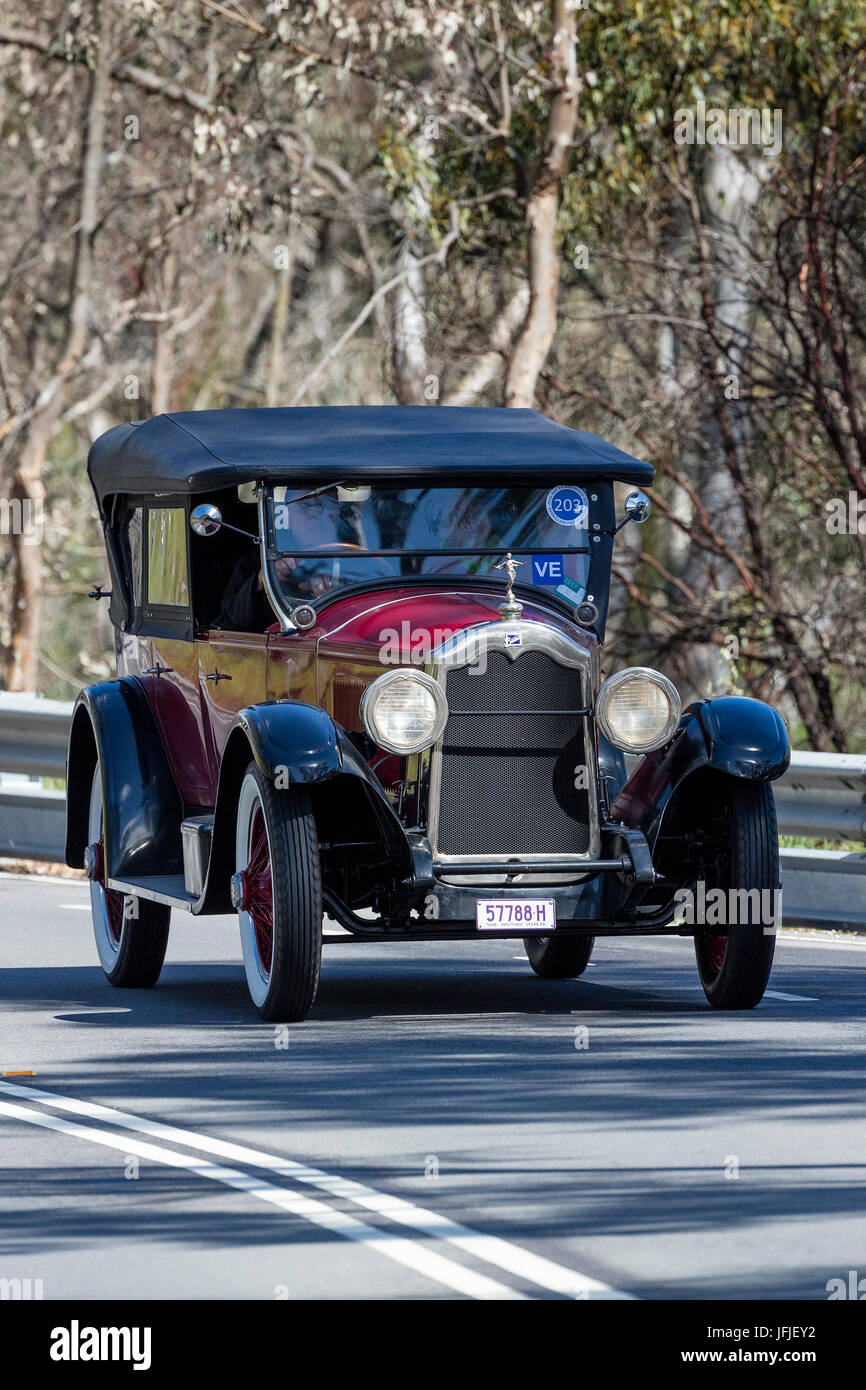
(445, 1125)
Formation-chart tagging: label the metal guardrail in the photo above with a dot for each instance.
(822, 796)
(32, 822)
(33, 738)
(33, 735)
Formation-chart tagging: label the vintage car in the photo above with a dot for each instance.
(359, 678)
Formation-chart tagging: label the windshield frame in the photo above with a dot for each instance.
(600, 535)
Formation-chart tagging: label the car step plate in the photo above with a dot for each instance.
(524, 915)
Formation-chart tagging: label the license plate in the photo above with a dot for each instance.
(516, 914)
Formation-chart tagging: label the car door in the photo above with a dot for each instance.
(173, 685)
(165, 659)
(232, 669)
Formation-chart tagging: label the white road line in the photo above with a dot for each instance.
(768, 993)
(56, 880)
(787, 938)
(590, 966)
(813, 944)
(75, 907)
(399, 1248)
(493, 1250)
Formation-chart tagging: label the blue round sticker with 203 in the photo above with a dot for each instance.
(568, 506)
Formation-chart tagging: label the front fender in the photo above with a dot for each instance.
(142, 808)
(290, 741)
(740, 737)
(294, 744)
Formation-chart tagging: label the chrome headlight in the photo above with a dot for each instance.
(404, 711)
(638, 709)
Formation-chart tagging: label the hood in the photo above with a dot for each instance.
(404, 619)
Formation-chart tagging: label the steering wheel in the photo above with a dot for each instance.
(325, 579)
(339, 545)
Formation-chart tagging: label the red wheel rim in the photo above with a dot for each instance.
(717, 944)
(114, 908)
(258, 889)
(113, 901)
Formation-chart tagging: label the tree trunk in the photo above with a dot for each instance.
(408, 302)
(163, 338)
(489, 364)
(22, 657)
(536, 336)
(275, 385)
(408, 329)
(731, 188)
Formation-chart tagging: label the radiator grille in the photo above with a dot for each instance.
(507, 778)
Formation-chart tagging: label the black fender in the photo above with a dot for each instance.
(733, 735)
(290, 742)
(295, 744)
(142, 807)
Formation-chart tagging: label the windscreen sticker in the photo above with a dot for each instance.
(548, 569)
(571, 591)
(568, 506)
(564, 574)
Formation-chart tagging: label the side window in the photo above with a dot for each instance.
(167, 579)
(135, 553)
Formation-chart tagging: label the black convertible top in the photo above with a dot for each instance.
(192, 451)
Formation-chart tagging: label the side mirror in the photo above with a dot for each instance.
(637, 507)
(206, 519)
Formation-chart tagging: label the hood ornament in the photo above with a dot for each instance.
(512, 608)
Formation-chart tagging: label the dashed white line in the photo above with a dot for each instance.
(514, 1259)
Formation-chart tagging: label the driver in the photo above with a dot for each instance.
(245, 606)
(315, 522)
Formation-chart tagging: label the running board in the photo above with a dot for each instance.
(158, 888)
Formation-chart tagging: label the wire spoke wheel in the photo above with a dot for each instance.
(277, 891)
(735, 955)
(259, 891)
(131, 933)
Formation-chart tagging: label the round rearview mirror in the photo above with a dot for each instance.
(637, 506)
(353, 492)
(206, 519)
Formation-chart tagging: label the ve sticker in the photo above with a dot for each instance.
(548, 569)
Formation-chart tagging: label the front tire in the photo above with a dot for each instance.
(734, 965)
(131, 933)
(277, 890)
(559, 957)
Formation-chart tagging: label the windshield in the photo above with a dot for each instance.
(321, 539)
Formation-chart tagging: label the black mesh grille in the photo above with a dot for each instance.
(507, 783)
